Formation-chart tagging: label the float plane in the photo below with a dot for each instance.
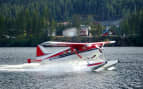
(91, 53)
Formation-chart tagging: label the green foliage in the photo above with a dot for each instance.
(90, 20)
(76, 20)
(96, 29)
(133, 26)
(34, 19)
(1, 25)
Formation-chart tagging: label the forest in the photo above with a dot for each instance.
(30, 21)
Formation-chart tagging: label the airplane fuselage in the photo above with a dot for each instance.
(88, 52)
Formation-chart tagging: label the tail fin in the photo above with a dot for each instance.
(39, 51)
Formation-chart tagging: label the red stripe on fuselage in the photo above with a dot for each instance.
(95, 64)
(60, 53)
(37, 60)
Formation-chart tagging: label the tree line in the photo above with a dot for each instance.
(132, 25)
(28, 20)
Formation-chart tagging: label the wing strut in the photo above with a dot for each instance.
(75, 50)
(77, 53)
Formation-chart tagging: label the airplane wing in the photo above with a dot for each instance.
(62, 44)
(74, 45)
(78, 46)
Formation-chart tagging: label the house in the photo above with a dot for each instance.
(70, 32)
(108, 25)
(84, 30)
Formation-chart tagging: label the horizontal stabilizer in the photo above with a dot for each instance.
(30, 61)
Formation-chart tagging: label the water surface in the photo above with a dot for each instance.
(128, 75)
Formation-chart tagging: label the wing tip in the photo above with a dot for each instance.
(112, 41)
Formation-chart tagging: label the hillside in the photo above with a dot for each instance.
(29, 21)
(65, 9)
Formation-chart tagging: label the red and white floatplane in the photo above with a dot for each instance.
(92, 53)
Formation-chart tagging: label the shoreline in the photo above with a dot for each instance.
(130, 41)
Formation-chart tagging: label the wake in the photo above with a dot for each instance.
(71, 66)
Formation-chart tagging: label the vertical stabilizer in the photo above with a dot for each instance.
(39, 51)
